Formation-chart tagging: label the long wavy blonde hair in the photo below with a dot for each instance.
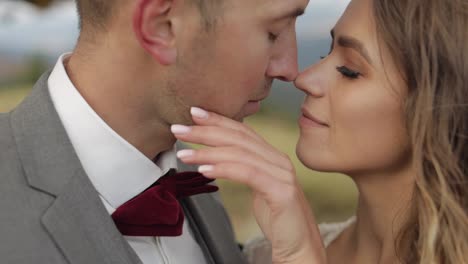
(429, 41)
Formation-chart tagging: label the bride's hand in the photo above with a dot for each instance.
(237, 153)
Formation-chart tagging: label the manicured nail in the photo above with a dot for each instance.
(205, 168)
(180, 129)
(185, 153)
(199, 113)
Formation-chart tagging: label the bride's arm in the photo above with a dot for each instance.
(237, 153)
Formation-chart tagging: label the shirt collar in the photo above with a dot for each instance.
(116, 168)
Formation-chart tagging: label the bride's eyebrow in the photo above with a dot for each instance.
(353, 43)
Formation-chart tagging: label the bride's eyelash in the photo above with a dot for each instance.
(347, 72)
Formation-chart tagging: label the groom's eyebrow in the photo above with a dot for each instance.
(293, 13)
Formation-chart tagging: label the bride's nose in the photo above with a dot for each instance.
(311, 81)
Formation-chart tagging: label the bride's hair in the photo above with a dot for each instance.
(428, 39)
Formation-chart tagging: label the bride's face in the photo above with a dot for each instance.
(355, 94)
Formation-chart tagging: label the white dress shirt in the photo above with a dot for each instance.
(117, 169)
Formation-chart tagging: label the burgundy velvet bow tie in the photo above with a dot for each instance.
(157, 211)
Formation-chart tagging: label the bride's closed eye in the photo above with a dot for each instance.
(348, 73)
(345, 71)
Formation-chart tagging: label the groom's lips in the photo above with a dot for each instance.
(257, 100)
(253, 106)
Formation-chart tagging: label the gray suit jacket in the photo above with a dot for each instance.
(51, 213)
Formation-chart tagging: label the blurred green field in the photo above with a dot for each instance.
(11, 96)
(332, 196)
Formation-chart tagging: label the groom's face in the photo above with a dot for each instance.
(230, 68)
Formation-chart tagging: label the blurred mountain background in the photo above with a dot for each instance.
(34, 33)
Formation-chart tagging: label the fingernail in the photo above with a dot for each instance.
(185, 153)
(180, 129)
(199, 113)
(205, 168)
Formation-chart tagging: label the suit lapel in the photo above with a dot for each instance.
(81, 227)
(211, 225)
(77, 220)
(214, 229)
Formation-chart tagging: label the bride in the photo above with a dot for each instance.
(388, 106)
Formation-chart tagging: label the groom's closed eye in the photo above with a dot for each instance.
(281, 21)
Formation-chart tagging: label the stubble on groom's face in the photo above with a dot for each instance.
(224, 70)
(205, 80)
(234, 64)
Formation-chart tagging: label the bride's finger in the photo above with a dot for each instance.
(213, 136)
(236, 155)
(203, 117)
(275, 192)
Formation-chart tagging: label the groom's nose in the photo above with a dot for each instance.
(283, 63)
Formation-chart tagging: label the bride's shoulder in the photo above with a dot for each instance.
(330, 231)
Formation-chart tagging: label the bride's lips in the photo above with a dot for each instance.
(308, 120)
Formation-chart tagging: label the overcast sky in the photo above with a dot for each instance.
(320, 17)
(54, 30)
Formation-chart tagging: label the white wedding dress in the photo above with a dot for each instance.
(258, 250)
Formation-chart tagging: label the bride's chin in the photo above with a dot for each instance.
(314, 159)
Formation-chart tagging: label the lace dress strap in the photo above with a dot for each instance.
(330, 231)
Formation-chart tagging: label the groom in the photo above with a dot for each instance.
(93, 136)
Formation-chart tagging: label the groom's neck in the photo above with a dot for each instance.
(116, 92)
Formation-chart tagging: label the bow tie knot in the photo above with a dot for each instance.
(157, 211)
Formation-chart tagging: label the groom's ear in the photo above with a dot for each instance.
(152, 23)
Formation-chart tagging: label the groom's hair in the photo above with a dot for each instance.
(96, 13)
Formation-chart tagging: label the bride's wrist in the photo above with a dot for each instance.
(304, 260)
(312, 255)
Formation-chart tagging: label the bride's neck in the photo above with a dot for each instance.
(383, 209)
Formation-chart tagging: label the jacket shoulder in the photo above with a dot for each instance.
(7, 142)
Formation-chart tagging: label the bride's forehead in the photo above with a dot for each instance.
(357, 21)
(358, 10)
